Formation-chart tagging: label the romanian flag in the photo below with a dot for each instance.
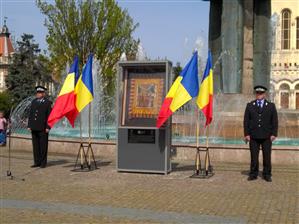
(84, 87)
(184, 88)
(65, 102)
(205, 95)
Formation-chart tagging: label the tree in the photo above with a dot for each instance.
(28, 67)
(177, 70)
(78, 27)
(5, 103)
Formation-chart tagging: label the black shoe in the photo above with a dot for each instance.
(250, 178)
(34, 166)
(268, 178)
(43, 166)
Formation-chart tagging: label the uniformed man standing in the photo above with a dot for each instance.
(37, 123)
(260, 130)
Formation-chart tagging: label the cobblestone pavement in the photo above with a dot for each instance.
(58, 195)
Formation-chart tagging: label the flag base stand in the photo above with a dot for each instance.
(207, 171)
(8, 172)
(85, 165)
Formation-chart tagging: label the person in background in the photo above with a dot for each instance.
(37, 123)
(3, 126)
(260, 130)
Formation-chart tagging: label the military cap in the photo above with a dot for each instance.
(40, 89)
(260, 88)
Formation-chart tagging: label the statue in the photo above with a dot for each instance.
(239, 34)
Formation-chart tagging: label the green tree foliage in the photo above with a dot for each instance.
(6, 103)
(77, 27)
(177, 70)
(28, 67)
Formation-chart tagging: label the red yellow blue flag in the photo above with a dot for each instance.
(205, 95)
(84, 87)
(65, 102)
(184, 88)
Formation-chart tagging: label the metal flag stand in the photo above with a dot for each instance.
(207, 170)
(81, 152)
(86, 145)
(89, 147)
(8, 172)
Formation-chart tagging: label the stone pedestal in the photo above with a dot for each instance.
(215, 41)
(239, 38)
(232, 45)
(262, 42)
(247, 84)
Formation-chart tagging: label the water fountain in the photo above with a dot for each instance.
(103, 117)
(19, 117)
(226, 128)
(241, 60)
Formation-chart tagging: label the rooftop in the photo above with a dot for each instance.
(6, 48)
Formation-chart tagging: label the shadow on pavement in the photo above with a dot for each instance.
(246, 173)
(99, 164)
(57, 162)
(176, 167)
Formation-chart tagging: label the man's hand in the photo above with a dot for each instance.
(272, 138)
(29, 129)
(47, 130)
(247, 138)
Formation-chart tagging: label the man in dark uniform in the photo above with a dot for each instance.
(260, 130)
(37, 123)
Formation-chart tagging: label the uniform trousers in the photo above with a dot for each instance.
(255, 145)
(40, 147)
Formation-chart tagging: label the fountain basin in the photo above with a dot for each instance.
(239, 153)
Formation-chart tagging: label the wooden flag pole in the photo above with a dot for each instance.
(197, 159)
(207, 140)
(207, 159)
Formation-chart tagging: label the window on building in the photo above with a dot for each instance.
(297, 33)
(272, 93)
(285, 29)
(284, 92)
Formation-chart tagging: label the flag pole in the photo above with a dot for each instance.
(207, 159)
(81, 142)
(197, 160)
(207, 140)
(89, 132)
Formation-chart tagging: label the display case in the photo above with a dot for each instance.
(141, 147)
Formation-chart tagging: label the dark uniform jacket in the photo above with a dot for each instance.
(39, 113)
(260, 123)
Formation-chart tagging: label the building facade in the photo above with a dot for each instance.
(6, 54)
(285, 54)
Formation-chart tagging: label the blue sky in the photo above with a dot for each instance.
(167, 29)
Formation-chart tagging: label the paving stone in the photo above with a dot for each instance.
(107, 196)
